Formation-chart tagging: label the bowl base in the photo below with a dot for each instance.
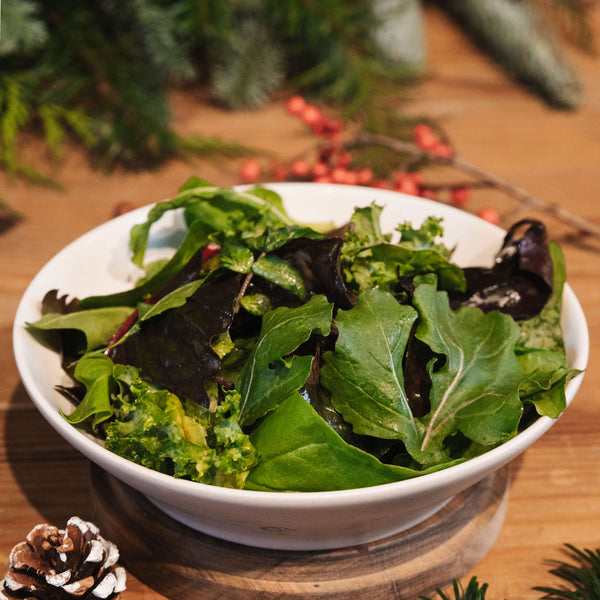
(180, 562)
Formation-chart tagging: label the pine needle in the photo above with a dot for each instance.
(474, 591)
(583, 576)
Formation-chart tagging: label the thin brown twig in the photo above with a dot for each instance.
(525, 198)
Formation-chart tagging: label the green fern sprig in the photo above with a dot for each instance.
(583, 576)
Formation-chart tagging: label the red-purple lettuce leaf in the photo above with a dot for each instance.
(520, 282)
(173, 349)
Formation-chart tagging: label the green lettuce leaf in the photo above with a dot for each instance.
(82, 331)
(152, 427)
(546, 373)
(270, 373)
(95, 371)
(382, 265)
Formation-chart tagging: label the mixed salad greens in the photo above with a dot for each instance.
(267, 355)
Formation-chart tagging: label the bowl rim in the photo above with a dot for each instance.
(472, 468)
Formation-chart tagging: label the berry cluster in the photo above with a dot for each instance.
(333, 162)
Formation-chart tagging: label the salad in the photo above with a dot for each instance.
(266, 354)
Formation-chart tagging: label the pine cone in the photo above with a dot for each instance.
(59, 564)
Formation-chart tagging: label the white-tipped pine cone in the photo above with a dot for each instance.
(60, 564)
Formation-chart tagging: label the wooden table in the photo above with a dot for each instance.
(555, 497)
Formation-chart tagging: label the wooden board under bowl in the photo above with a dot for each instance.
(181, 563)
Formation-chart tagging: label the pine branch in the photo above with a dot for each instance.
(474, 591)
(248, 66)
(512, 34)
(22, 29)
(583, 576)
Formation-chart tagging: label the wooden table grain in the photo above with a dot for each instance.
(555, 496)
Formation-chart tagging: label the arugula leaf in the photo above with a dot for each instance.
(301, 453)
(476, 390)
(82, 331)
(364, 372)
(270, 373)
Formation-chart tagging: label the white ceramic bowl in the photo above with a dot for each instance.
(98, 263)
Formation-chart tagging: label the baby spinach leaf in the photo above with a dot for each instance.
(364, 372)
(271, 373)
(236, 258)
(281, 273)
(256, 304)
(301, 453)
(82, 331)
(476, 390)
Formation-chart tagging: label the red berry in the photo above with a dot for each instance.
(382, 184)
(323, 179)
(320, 169)
(428, 193)
(489, 214)
(328, 127)
(441, 149)
(424, 136)
(295, 105)
(460, 196)
(343, 159)
(279, 173)
(121, 208)
(300, 168)
(406, 184)
(326, 152)
(351, 178)
(338, 175)
(311, 115)
(365, 176)
(250, 170)
(417, 177)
